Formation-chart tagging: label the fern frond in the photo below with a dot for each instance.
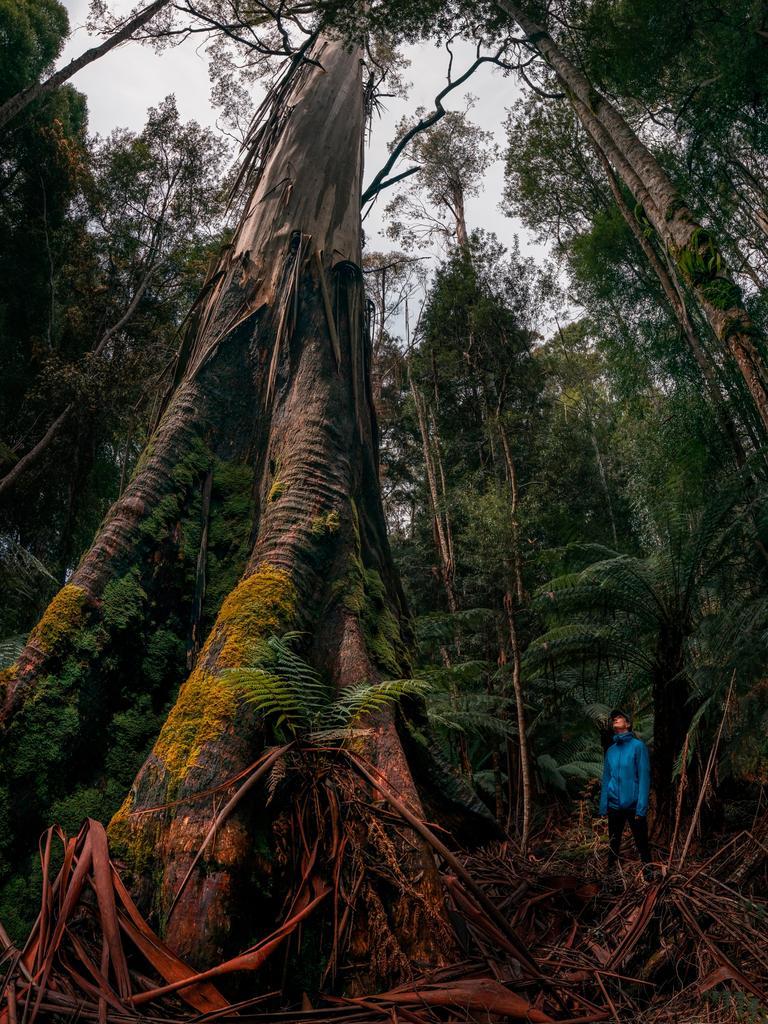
(366, 698)
(10, 648)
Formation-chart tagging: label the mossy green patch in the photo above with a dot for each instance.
(132, 841)
(229, 533)
(123, 601)
(167, 511)
(64, 616)
(43, 742)
(365, 594)
(326, 524)
(164, 651)
(277, 490)
(6, 675)
(262, 604)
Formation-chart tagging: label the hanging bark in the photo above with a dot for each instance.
(694, 250)
(280, 324)
(17, 103)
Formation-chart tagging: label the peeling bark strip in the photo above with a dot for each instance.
(694, 250)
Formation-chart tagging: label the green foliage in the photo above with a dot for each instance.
(123, 602)
(299, 703)
(721, 293)
(700, 260)
(33, 33)
(87, 225)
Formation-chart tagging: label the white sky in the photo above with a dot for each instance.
(121, 85)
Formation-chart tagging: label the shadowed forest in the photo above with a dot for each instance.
(361, 573)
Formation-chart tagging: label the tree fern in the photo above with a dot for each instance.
(300, 705)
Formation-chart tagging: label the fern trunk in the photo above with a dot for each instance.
(671, 720)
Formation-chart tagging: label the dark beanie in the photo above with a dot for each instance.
(618, 713)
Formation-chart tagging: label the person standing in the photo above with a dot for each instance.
(625, 789)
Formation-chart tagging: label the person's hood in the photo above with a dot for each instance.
(622, 737)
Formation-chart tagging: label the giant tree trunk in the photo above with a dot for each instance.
(280, 324)
(694, 250)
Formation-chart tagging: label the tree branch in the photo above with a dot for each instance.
(17, 103)
(381, 180)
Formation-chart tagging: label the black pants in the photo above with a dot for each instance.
(617, 819)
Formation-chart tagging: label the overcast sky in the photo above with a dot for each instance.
(121, 85)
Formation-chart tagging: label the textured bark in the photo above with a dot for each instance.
(695, 251)
(456, 205)
(121, 541)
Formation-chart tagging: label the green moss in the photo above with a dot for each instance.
(61, 619)
(164, 651)
(364, 594)
(6, 675)
(168, 510)
(123, 601)
(327, 524)
(277, 490)
(97, 802)
(133, 842)
(20, 900)
(229, 533)
(262, 604)
(131, 733)
(43, 741)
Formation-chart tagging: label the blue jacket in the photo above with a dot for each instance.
(626, 775)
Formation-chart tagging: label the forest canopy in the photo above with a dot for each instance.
(383, 487)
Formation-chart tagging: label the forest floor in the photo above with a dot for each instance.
(682, 940)
(548, 937)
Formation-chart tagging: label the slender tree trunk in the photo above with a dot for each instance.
(439, 517)
(694, 250)
(282, 319)
(443, 536)
(457, 206)
(512, 603)
(17, 103)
